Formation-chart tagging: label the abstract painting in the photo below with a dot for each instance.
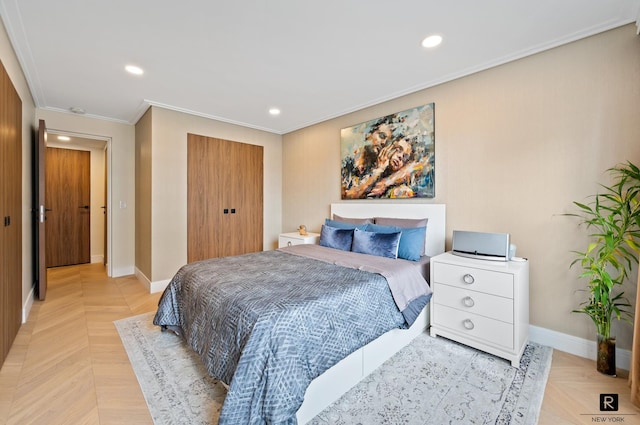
(390, 157)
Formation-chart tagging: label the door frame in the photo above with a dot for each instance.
(108, 155)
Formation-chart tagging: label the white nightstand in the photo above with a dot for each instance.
(295, 238)
(480, 303)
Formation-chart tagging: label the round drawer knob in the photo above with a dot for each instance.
(468, 324)
(468, 302)
(289, 243)
(468, 279)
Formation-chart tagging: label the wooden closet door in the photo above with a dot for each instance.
(246, 226)
(224, 198)
(11, 213)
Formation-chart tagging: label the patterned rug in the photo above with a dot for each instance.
(431, 381)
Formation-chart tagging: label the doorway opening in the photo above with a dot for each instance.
(99, 204)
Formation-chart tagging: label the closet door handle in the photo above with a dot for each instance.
(84, 207)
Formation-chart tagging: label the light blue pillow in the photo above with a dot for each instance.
(403, 223)
(376, 228)
(344, 225)
(380, 244)
(411, 241)
(333, 237)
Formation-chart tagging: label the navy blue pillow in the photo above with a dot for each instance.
(411, 240)
(344, 225)
(333, 237)
(380, 244)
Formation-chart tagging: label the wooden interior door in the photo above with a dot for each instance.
(224, 198)
(40, 210)
(68, 196)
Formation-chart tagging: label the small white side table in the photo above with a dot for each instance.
(295, 238)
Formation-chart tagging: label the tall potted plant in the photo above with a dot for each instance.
(613, 219)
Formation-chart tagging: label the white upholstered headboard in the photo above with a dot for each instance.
(436, 213)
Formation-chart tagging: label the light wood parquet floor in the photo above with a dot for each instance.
(68, 366)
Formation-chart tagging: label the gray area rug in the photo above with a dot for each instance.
(431, 381)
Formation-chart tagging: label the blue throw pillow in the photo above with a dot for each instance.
(412, 243)
(403, 223)
(380, 244)
(376, 228)
(333, 237)
(344, 225)
(411, 240)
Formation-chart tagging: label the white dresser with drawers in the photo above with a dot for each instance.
(480, 303)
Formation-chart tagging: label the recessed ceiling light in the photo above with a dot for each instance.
(135, 70)
(432, 41)
(274, 111)
(64, 138)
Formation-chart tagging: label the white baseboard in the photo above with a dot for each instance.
(152, 287)
(573, 345)
(28, 303)
(159, 286)
(123, 271)
(97, 259)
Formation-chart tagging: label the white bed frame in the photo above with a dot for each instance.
(339, 379)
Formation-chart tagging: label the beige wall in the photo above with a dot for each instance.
(515, 145)
(168, 186)
(121, 155)
(11, 64)
(98, 197)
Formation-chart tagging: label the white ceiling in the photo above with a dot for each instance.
(233, 60)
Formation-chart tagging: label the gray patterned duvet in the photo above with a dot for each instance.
(268, 323)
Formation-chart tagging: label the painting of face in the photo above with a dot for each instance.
(400, 154)
(379, 137)
(390, 157)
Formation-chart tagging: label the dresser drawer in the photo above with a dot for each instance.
(465, 300)
(479, 280)
(294, 238)
(285, 241)
(473, 326)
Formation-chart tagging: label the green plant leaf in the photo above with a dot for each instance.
(612, 218)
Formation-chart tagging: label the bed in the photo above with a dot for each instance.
(291, 330)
